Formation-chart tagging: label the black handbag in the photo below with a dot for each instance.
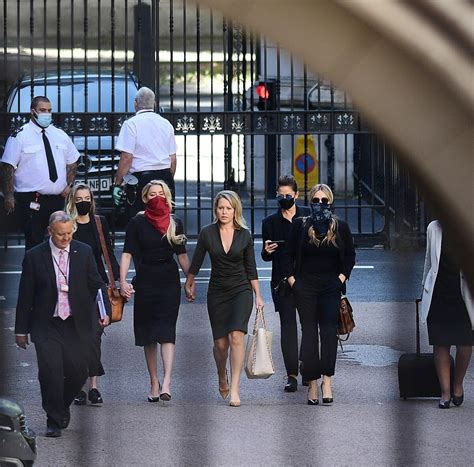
(282, 289)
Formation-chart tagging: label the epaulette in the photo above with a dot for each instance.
(16, 131)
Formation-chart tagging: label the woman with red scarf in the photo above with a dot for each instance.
(152, 238)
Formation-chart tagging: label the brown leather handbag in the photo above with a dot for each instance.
(346, 319)
(117, 301)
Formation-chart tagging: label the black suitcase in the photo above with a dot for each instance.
(417, 375)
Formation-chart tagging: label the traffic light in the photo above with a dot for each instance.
(266, 92)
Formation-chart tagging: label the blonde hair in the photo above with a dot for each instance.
(233, 198)
(70, 207)
(331, 235)
(173, 239)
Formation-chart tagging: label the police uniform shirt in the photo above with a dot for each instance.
(26, 153)
(150, 139)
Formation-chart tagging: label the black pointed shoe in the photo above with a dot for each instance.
(326, 400)
(291, 384)
(53, 431)
(95, 397)
(458, 400)
(81, 399)
(443, 404)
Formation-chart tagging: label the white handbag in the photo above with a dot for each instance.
(258, 354)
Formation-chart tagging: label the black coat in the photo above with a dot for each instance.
(38, 293)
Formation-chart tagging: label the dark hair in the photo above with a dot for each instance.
(288, 180)
(36, 100)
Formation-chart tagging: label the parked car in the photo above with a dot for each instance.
(17, 440)
(69, 93)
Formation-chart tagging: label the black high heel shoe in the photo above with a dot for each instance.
(313, 401)
(444, 404)
(326, 400)
(458, 400)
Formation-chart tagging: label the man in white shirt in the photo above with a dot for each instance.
(148, 151)
(38, 169)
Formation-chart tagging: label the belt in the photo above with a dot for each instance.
(155, 261)
(149, 172)
(34, 194)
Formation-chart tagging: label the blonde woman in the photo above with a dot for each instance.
(318, 261)
(229, 297)
(152, 238)
(80, 205)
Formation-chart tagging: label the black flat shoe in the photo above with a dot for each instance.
(95, 397)
(291, 384)
(458, 400)
(165, 397)
(443, 404)
(53, 432)
(326, 400)
(313, 402)
(153, 398)
(80, 399)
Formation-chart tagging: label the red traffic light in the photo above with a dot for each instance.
(262, 92)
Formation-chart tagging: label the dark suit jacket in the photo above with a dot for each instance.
(38, 293)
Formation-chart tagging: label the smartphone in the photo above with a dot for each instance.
(278, 242)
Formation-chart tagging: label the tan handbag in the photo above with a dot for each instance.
(117, 301)
(346, 319)
(258, 354)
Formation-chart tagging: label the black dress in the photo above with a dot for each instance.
(157, 283)
(229, 296)
(448, 319)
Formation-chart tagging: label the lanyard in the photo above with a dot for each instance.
(59, 269)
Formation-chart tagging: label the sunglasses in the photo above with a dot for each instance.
(288, 197)
(320, 200)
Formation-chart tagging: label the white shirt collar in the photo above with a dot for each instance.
(39, 129)
(145, 110)
(55, 250)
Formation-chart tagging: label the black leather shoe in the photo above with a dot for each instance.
(291, 384)
(80, 399)
(95, 397)
(313, 402)
(53, 431)
(443, 404)
(326, 400)
(66, 419)
(458, 400)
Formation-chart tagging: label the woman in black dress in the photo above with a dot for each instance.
(448, 306)
(152, 238)
(318, 261)
(80, 205)
(229, 297)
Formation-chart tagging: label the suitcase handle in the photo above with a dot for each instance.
(418, 347)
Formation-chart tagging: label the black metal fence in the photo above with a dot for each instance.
(243, 109)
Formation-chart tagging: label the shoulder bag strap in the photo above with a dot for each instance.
(105, 252)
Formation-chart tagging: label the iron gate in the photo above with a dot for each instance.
(243, 109)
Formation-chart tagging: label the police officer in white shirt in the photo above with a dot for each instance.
(38, 169)
(148, 151)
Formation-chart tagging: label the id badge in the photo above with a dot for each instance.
(35, 206)
(64, 288)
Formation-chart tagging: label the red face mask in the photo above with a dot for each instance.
(157, 212)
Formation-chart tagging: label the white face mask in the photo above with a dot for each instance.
(43, 119)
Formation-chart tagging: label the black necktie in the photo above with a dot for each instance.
(53, 174)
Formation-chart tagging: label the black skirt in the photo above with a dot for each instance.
(157, 299)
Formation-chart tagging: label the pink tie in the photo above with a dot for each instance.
(64, 310)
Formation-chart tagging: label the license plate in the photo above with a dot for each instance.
(98, 184)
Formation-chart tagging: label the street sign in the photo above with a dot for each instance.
(305, 159)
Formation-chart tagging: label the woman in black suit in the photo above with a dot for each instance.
(319, 259)
(80, 205)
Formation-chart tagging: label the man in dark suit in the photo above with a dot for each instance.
(56, 301)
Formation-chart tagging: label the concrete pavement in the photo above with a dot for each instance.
(367, 425)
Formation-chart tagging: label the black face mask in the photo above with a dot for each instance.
(321, 216)
(83, 207)
(286, 202)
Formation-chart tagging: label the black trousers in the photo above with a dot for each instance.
(286, 308)
(34, 223)
(318, 299)
(62, 366)
(134, 203)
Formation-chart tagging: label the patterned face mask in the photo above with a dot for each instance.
(321, 216)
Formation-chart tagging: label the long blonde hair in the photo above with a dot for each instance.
(233, 198)
(173, 239)
(331, 235)
(70, 207)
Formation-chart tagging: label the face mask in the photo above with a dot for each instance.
(43, 119)
(285, 202)
(83, 207)
(320, 216)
